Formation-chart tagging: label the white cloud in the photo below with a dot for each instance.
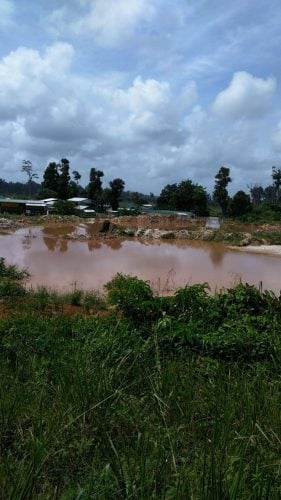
(245, 97)
(111, 22)
(145, 131)
(26, 77)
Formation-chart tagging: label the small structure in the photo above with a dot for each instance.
(128, 205)
(83, 204)
(12, 206)
(35, 208)
(213, 223)
(147, 207)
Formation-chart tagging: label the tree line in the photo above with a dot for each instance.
(60, 182)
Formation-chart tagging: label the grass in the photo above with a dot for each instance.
(165, 398)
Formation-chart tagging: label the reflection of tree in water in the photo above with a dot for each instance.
(217, 255)
(114, 244)
(94, 245)
(27, 240)
(63, 246)
(50, 243)
(55, 244)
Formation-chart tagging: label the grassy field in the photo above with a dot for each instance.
(135, 396)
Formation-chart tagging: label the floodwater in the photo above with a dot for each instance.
(57, 261)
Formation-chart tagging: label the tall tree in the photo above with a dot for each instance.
(94, 188)
(116, 190)
(167, 198)
(240, 204)
(76, 176)
(63, 179)
(276, 176)
(257, 194)
(269, 194)
(220, 191)
(51, 177)
(27, 167)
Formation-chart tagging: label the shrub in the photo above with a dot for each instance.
(10, 289)
(64, 207)
(129, 294)
(11, 271)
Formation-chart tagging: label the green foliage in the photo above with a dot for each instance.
(10, 275)
(64, 207)
(129, 295)
(11, 272)
(92, 408)
(220, 194)
(184, 196)
(94, 188)
(240, 204)
(11, 290)
(50, 178)
(263, 213)
(115, 192)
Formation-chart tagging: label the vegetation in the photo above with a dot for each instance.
(184, 196)
(240, 204)
(263, 204)
(165, 397)
(115, 192)
(65, 207)
(220, 192)
(94, 188)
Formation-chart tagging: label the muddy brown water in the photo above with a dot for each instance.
(56, 260)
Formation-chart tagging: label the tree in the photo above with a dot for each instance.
(257, 194)
(269, 194)
(276, 176)
(220, 191)
(240, 204)
(28, 169)
(51, 177)
(167, 197)
(63, 179)
(64, 207)
(94, 188)
(116, 190)
(76, 176)
(184, 196)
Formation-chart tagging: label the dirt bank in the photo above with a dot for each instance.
(151, 226)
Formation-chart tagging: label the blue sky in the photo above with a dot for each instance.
(153, 91)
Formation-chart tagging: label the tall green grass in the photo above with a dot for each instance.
(143, 403)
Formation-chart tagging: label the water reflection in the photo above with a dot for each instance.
(216, 255)
(27, 240)
(54, 244)
(57, 238)
(56, 260)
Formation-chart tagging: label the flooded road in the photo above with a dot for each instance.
(56, 261)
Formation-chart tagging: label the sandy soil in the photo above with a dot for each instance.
(265, 249)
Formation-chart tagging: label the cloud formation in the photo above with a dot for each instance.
(111, 23)
(144, 90)
(246, 97)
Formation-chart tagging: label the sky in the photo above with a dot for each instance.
(152, 91)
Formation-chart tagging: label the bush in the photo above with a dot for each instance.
(11, 271)
(64, 207)
(129, 294)
(10, 289)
